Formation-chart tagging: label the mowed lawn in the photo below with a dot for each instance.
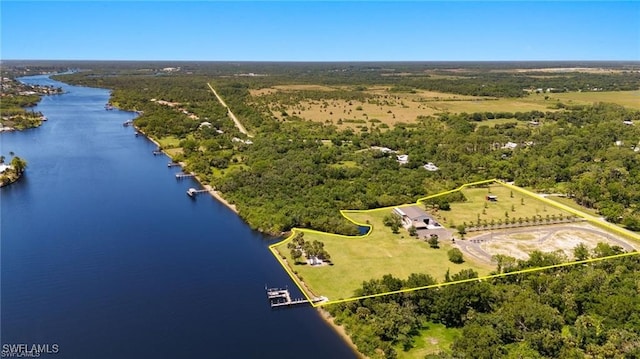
(359, 259)
(511, 203)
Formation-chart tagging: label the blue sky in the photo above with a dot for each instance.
(320, 31)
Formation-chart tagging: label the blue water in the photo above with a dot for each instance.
(104, 254)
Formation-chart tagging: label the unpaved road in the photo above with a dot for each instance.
(239, 125)
(519, 242)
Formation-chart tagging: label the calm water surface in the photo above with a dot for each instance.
(104, 254)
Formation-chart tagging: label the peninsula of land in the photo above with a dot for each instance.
(12, 172)
(17, 98)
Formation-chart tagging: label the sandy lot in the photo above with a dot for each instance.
(518, 243)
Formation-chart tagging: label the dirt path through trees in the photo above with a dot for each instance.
(239, 125)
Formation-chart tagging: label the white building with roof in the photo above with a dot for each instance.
(430, 167)
(402, 159)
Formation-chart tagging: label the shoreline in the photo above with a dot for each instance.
(12, 179)
(324, 314)
(215, 194)
(340, 330)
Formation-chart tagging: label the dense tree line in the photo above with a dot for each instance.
(571, 312)
(480, 79)
(298, 173)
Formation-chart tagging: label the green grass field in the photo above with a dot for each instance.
(169, 142)
(359, 259)
(629, 99)
(477, 207)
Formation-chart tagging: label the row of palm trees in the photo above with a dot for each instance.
(513, 222)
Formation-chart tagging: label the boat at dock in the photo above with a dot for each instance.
(280, 297)
(184, 175)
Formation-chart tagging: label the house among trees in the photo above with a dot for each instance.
(402, 159)
(510, 146)
(383, 149)
(415, 216)
(424, 223)
(430, 167)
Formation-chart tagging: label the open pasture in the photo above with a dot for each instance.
(384, 106)
(629, 99)
(476, 210)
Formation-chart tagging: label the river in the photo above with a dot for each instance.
(103, 253)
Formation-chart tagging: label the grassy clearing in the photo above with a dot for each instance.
(390, 108)
(358, 259)
(173, 151)
(498, 105)
(477, 207)
(629, 99)
(169, 142)
(432, 339)
(346, 164)
(218, 173)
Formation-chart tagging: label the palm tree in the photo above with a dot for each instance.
(18, 164)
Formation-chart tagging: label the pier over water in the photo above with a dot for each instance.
(279, 297)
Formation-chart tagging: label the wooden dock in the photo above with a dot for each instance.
(192, 192)
(279, 297)
(182, 175)
(157, 152)
(173, 164)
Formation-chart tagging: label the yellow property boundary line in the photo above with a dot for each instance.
(591, 219)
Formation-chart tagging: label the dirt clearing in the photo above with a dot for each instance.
(520, 242)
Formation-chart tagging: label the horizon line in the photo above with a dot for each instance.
(317, 61)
